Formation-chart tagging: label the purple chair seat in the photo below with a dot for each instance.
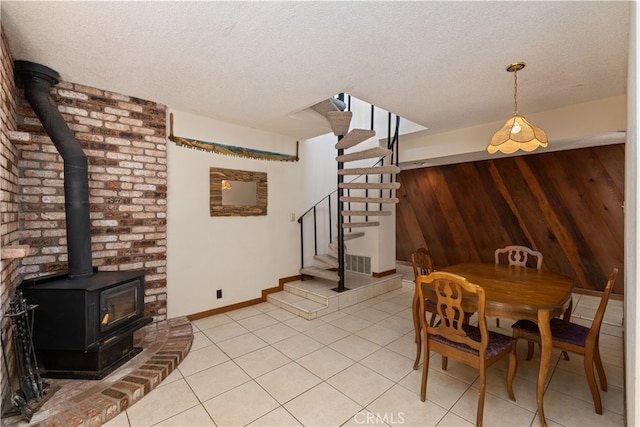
(570, 333)
(497, 342)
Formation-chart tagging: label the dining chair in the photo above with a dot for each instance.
(422, 265)
(517, 255)
(579, 339)
(454, 338)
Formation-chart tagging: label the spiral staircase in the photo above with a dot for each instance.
(363, 192)
(357, 206)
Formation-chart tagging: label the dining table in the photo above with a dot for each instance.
(516, 293)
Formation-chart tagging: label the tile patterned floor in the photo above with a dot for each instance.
(263, 366)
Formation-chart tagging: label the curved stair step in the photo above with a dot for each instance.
(321, 273)
(375, 170)
(339, 121)
(371, 153)
(331, 104)
(355, 137)
(370, 185)
(369, 199)
(351, 236)
(327, 259)
(366, 213)
(360, 224)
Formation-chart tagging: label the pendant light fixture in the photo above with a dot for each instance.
(517, 133)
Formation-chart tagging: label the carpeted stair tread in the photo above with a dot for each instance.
(370, 185)
(339, 121)
(360, 224)
(366, 213)
(321, 273)
(327, 259)
(379, 170)
(331, 104)
(351, 236)
(369, 199)
(354, 137)
(370, 153)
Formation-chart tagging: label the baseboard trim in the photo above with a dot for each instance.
(383, 273)
(248, 303)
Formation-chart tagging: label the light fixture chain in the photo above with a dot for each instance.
(515, 92)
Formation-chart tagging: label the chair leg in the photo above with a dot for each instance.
(566, 317)
(513, 366)
(600, 368)
(425, 372)
(433, 319)
(591, 380)
(418, 332)
(529, 350)
(444, 363)
(481, 393)
(498, 323)
(418, 349)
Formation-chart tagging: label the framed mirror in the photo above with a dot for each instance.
(235, 192)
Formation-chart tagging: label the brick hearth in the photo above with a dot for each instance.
(93, 402)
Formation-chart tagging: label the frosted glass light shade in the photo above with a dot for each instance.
(517, 134)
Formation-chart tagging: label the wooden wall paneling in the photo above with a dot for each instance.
(567, 205)
(560, 222)
(471, 206)
(585, 187)
(456, 244)
(514, 227)
(417, 204)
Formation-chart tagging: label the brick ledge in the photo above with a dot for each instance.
(93, 402)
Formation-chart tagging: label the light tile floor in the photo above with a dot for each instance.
(262, 366)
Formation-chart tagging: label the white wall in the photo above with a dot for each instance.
(240, 255)
(632, 239)
(568, 127)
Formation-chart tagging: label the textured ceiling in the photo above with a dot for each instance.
(438, 64)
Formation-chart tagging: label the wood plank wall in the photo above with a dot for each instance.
(567, 205)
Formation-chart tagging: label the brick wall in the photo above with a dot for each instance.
(8, 195)
(124, 139)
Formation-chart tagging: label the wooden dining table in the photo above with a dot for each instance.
(522, 293)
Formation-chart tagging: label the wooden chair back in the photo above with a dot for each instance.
(594, 331)
(450, 289)
(518, 255)
(422, 262)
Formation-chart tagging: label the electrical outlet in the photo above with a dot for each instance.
(219, 294)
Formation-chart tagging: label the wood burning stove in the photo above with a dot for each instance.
(83, 328)
(85, 319)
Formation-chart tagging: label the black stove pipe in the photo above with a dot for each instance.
(38, 81)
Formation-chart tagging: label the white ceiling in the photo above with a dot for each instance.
(438, 64)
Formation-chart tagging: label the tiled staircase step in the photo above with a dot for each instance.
(369, 199)
(355, 137)
(370, 185)
(375, 170)
(321, 273)
(360, 224)
(297, 304)
(328, 259)
(366, 213)
(371, 153)
(314, 298)
(331, 104)
(339, 121)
